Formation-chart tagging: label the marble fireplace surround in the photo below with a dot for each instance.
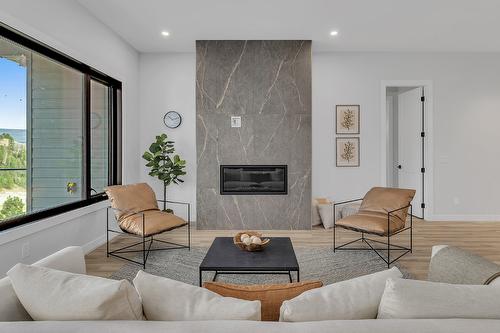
(268, 85)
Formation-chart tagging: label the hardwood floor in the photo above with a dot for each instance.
(482, 238)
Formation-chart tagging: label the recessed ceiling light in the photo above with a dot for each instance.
(165, 33)
(334, 33)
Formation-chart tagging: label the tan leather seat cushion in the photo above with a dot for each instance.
(271, 296)
(372, 215)
(370, 223)
(131, 199)
(156, 222)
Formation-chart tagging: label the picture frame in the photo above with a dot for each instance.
(347, 119)
(347, 151)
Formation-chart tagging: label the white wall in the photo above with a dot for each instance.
(68, 27)
(466, 91)
(392, 140)
(466, 94)
(167, 82)
(466, 117)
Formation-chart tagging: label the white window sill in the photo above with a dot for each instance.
(16, 233)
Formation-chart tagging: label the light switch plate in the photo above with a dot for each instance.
(235, 121)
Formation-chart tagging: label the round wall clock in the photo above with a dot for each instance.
(172, 119)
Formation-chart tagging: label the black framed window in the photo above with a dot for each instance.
(60, 138)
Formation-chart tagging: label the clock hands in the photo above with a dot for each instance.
(172, 119)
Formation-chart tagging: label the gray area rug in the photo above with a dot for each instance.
(315, 264)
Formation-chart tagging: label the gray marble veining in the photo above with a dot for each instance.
(267, 84)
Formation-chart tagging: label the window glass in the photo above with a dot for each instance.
(41, 135)
(44, 133)
(99, 122)
(56, 132)
(14, 61)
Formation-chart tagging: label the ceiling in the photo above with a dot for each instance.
(363, 25)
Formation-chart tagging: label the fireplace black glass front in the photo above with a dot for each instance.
(253, 179)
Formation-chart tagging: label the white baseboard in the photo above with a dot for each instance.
(94, 244)
(463, 218)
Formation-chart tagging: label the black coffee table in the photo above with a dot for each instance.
(223, 257)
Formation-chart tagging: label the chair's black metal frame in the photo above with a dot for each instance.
(389, 247)
(146, 239)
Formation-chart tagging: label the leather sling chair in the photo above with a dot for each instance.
(383, 213)
(137, 214)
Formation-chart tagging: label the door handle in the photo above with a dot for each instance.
(399, 167)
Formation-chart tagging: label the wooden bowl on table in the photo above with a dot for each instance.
(252, 247)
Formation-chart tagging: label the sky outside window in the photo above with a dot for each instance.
(12, 95)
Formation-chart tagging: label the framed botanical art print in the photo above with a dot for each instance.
(347, 152)
(347, 119)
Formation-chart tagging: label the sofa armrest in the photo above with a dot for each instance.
(451, 264)
(436, 249)
(70, 259)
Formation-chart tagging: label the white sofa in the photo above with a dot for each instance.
(13, 317)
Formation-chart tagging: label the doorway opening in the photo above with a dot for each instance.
(406, 153)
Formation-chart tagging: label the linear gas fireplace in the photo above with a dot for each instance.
(253, 179)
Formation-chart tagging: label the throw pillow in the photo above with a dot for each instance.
(271, 296)
(357, 298)
(70, 259)
(316, 219)
(350, 209)
(49, 294)
(326, 214)
(166, 299)
(412, 299)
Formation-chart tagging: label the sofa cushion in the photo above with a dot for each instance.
(412, 299)
(166, 299)
(357, 298)
(128, 200)
(245, 326)
(155, 222)
(49, 294)
(271, 296)
(70, 259)
(11, 308)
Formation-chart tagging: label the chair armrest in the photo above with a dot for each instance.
(187, 204)
(398, 209)
(174, 202)
(345, 202)
(335, 204)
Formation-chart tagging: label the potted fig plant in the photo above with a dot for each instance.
(164, 164)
